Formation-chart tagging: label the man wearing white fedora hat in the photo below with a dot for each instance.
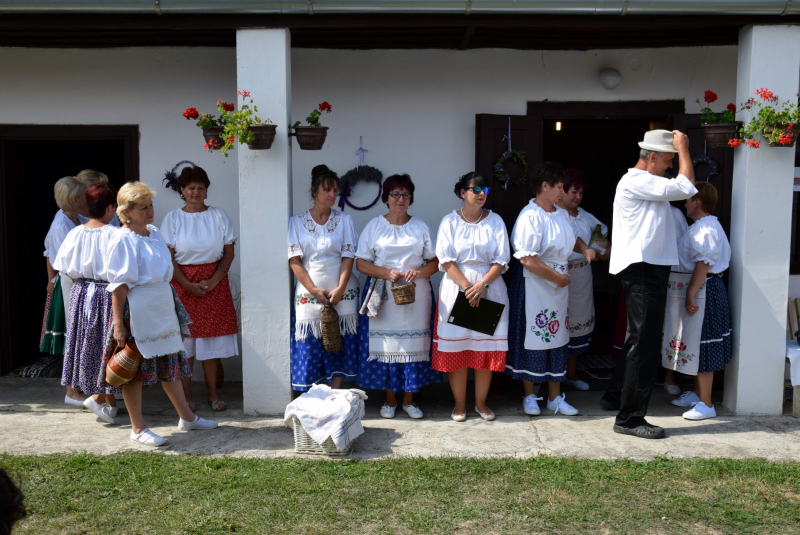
(645, 246)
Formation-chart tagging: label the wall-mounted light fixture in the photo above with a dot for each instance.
(610, 78)
(558, 126)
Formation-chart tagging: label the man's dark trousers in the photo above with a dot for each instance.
(645, 287)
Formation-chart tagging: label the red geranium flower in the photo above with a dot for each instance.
(231, 139)
(244, 93)
(765, 93)
(219, 101)
(228, 107)
(731, 107)
(191, 113)
(751, 143)
(710, 96)
(734, 142)
(324, 106)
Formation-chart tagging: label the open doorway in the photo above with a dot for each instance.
(32, 159)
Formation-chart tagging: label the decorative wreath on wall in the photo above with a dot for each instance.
(713, 166)
(503, 176)
(362, 173)
(170, 179)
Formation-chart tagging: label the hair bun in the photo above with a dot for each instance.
(319, 170)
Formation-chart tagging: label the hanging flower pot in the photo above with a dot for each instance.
(717, 135)
(212, 134)
(311, 137)
(780, 135)
(263, 136)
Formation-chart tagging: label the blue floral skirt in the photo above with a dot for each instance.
(403, 377)
(579, 345)
(527, 364)
(311, 364)
(715, 346)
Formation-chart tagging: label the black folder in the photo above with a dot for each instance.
(483, 318)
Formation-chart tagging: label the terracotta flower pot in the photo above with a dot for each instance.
(311, 137)
(264, 136)
(790, 132)
(717, 135)
(213, 134)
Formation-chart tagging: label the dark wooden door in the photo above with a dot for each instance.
(723, 180)
(489, 145)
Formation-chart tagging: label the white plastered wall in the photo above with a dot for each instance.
(415, 109)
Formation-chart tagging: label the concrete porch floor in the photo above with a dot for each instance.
(34, 420)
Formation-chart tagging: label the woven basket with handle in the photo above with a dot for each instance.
(331, 335)
(404, 294)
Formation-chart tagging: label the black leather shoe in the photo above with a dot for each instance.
(609, 405)
(642, 431)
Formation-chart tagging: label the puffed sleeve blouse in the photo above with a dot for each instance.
(84, 253)
(200, 237)
(548, 235)
(399, 247)
(334, 240)
(59, 229)
(583, 225)
(137, 260)
(705, 241)
(479, 244)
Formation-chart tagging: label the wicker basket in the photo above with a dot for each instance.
(303, 443)
(404, 294)
(331, 335)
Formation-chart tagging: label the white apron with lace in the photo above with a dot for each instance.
(680, 349)
(402, 333)
(307, 309)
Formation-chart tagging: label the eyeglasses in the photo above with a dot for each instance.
(395, 195)
(476, 190)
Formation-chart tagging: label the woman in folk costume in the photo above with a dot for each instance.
(543, 240)
(697, 327)
(472, 248)
(90, 177)
(83, 258)
(322, 243)
(146, 311)
(201, 239)
(395, 340)
(70, 199)
(581, 287)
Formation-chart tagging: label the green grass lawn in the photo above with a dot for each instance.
(156, 493)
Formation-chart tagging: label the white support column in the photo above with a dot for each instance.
(761, 211)
(263, 60)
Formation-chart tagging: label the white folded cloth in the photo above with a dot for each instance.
(324, 412)
(793, 354)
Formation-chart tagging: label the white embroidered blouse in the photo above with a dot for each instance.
(681, 226)
(84, 253)
(200, 237)
(59, 229)
(548, 235)
(643, 230)
(114, 220)
(399, 247)
(334, 240)
(137, 260)
(705, 241)
(481, 244)
(583, 225)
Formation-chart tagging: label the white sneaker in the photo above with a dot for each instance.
(578, 385)
(198, 423)
(73, 402)
(147, 438)
(113, 411)
(413, 411)
(559, 404)
(686, 399)
(672, 390)
(102, 411)
(388, 412)
(530, 405)
(700, 411)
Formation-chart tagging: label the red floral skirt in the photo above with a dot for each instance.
(213, 314)
(477, 360)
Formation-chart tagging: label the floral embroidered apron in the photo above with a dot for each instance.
(680, 349)
(546, 311)
(307, 308)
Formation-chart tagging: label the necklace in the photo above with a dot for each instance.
(467, 220)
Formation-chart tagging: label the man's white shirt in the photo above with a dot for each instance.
(643, 228)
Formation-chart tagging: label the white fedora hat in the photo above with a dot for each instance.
(658, 141)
